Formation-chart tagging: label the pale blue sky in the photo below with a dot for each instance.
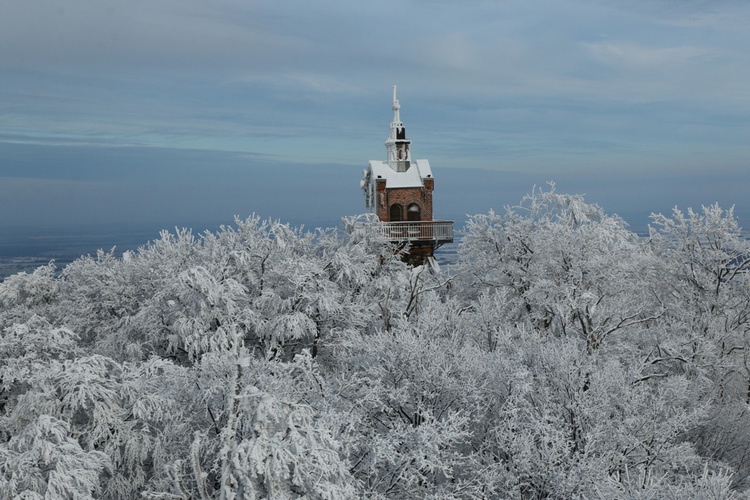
(186, 111)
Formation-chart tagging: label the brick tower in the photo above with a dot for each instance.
(399, 190)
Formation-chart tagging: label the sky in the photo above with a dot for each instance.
(187, 112)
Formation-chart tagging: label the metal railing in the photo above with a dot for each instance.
(440, 231)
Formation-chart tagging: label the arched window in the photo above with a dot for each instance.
(412, 213)
(396, 213)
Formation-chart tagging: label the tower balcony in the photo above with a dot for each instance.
(434, 232)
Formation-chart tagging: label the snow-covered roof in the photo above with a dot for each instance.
(419, 169)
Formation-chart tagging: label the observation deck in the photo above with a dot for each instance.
(435, 232)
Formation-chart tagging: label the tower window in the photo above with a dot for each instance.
(396, 213)
(413, 213)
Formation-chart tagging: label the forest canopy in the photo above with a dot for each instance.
(561, 356)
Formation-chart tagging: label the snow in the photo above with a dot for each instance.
(500, 380)
(413, 177)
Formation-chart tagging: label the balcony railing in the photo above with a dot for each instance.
(437, 231)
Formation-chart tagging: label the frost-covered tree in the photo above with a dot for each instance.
(560, 265)
(42, 460)
(706, 258)
(412, 401)
(562, 357)
(271, 444)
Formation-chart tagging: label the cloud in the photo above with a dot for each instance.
(639, 56)
(512, 86)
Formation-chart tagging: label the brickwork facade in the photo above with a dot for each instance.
(404, 197)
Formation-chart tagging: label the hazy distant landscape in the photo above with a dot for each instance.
(22, 250)
(25, 249)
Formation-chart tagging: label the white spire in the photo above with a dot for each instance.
(396, 107)
(397, 144)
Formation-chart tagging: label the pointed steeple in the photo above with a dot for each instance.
(397, 145)
(396, 108)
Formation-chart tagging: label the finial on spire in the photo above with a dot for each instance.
(396, 107)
